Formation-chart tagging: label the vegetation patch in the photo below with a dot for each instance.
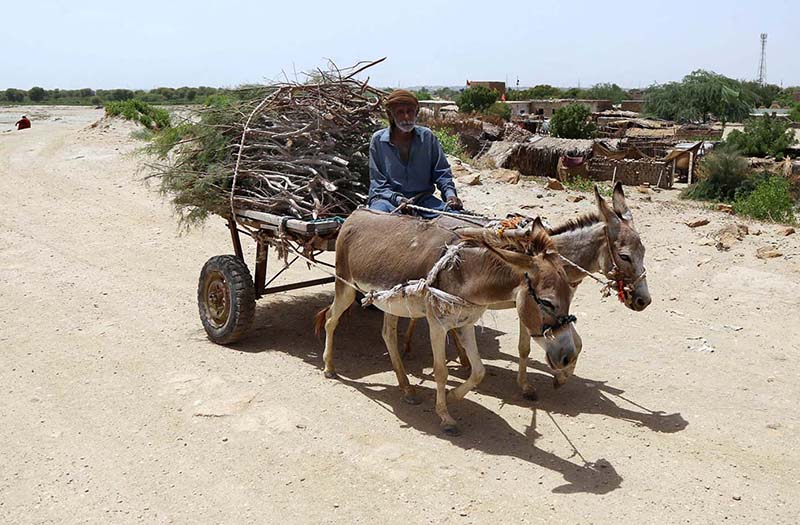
(138, 111)
(770, 200)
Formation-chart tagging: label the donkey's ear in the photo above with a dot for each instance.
(537, 226)
(618, 201)
(607, 214)
(517, 260)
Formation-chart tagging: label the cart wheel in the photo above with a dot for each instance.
(226, 298)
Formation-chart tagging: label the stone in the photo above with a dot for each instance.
(785, 232)
(697, 222)
(644, 188)
(729, 235)
(767, 252)
(726, 208)
(575, 198)
(470, 179)
(553, 184)
(504, 175)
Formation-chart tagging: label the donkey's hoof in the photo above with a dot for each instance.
(331, 374)
(530, 394)
(451, 429)
(412, 399)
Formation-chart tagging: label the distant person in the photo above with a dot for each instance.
(23, 123)
(406, 162)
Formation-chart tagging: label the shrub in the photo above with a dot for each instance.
(476, 98)
(450, 142)
(138, 111)
(794, 113)
(770, 200)
(500, 109)
(720, 175)
(572, 122)
(762, 137)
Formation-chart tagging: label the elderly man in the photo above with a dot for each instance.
(406, 161)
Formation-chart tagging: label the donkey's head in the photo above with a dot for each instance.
(543, 295)
(624, 260)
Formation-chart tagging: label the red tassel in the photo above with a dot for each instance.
(621, 291)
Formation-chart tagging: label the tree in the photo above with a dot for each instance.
(476, 98)
(698, 97)
(15, 95)
(36, 94)
(762, 137)
(572, 122)
(606, 91)
(121, 94)
(423, 94)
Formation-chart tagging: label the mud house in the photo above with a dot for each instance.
(498, 86)
(547, 107)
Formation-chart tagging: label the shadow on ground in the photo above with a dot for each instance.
(285, 324)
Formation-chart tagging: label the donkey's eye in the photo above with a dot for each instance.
(547, 304)
(624, 257)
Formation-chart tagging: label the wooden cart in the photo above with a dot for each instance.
(227, 291)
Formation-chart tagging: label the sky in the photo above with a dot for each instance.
(145, 44)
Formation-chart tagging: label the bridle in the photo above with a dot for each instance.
(561, 320)
(623, 285)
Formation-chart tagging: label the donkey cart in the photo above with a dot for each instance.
(227, 291)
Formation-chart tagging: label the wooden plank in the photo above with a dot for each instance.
(294, 225)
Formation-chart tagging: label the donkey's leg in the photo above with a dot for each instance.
(524, 347)
(462, 355)
(390, 338)
(342, 300)
(438, 337)
(409, 333)
(467, 336)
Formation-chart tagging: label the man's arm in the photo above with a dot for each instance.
(442, 176)
(379, 185)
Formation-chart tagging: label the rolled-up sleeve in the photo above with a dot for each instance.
(440, 168)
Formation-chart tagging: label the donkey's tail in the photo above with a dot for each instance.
(319, 320)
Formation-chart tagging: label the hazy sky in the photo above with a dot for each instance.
(147, 43)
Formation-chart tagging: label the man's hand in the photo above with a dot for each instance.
(454, 203)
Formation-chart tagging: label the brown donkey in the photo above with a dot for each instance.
(377, 251)
(605, 242)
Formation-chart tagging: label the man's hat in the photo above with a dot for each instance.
(401, 96)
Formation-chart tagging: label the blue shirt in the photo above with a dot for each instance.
(427, 167)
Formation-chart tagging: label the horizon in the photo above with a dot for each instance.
(627, 43)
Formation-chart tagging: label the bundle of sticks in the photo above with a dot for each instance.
(297, 149)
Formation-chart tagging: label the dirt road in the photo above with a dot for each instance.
(116, 408)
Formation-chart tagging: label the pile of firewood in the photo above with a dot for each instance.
(297, 149)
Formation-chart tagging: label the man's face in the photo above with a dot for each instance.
(405, 116)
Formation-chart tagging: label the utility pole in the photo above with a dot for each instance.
(762, 66)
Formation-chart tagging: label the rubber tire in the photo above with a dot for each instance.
(242, 294)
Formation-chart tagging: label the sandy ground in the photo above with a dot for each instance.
(116, 408)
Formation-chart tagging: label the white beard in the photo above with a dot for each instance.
(406, 127)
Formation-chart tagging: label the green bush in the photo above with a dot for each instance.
(138, 111)
(770, 200)
(476, 98)
(500, 109)
(450, 142)
(572, 122)
(762, 137)
(721, 174)
(794, 113)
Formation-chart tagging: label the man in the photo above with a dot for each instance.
(406, 161)
(23, 123)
